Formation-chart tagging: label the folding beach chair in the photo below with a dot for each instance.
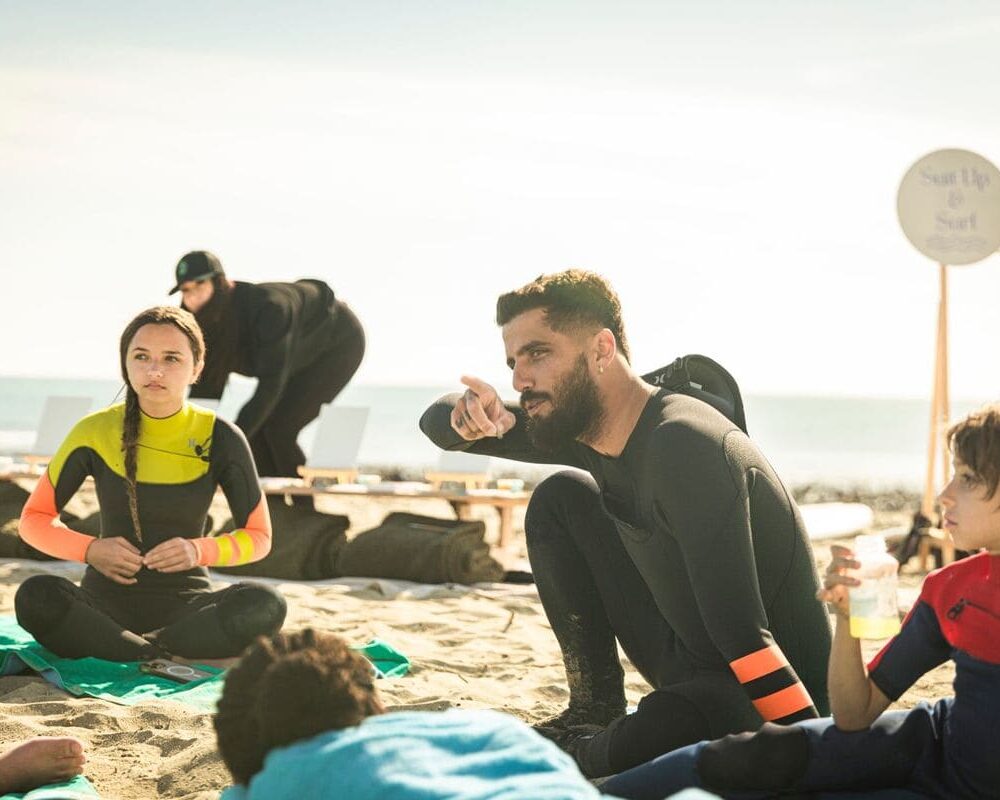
(59, 414)
(227, 406)
(333, 457)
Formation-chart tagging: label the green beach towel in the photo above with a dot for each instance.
(125, 684)
(387, 660)
(77, 789)
(113, 681)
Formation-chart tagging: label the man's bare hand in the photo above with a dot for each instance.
(480, 413)
(115, 558)
(836, 581)
(174, 555)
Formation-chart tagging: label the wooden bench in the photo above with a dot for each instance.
(461, 500)
(325, 476)
(935, 539)
(470, 480)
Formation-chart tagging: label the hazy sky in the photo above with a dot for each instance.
(731, 166)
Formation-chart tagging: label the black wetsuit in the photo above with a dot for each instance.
(180, 461)
(303, 345)
(688, 549)
(947, 751)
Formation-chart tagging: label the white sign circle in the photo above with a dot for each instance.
(949, 206)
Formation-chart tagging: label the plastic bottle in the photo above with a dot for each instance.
(874, 611)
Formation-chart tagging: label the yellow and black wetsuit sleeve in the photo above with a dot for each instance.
(705, 502)
(234, 470)
(40, 525)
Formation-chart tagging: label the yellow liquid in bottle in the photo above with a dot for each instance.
(874, 628)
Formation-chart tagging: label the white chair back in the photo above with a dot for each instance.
(59, 414)
(338, 437)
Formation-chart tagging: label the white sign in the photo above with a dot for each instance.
(949, 206)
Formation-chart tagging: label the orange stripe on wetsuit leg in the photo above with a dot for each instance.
(41, 528)
(758, 663)
(783, 702)
(258, 527)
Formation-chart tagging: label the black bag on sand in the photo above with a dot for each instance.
(304, 544)
(13, 546)
(12, 500)
(425, 549)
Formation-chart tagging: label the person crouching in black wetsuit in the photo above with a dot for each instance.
(681, 542)
(156, 461)
(947, 750)
(300, 342)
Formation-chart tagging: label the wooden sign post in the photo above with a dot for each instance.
(949, 209)
(940, 411)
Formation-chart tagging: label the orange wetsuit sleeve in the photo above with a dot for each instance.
(250, 543)
(41, 527)
(233, 463)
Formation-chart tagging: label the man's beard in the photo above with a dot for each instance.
(575, 413)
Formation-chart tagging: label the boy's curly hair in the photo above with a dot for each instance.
(572, 299)
(288, 687)
(976, 442)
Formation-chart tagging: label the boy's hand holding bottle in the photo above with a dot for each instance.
(860, 586)
(837, 581)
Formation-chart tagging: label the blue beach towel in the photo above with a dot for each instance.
(77, 789)
(413, 755)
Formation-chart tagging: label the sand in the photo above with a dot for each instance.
(487, 646)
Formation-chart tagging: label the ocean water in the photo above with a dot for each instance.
(874, 442)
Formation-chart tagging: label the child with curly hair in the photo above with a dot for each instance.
(300, 717)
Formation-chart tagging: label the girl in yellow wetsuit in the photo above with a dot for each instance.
(156, 461)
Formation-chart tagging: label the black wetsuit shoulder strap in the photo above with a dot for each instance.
(705, 379)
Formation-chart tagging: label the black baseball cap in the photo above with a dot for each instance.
(198, 265)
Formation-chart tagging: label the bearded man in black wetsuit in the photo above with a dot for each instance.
(681, 543)
(301, 342)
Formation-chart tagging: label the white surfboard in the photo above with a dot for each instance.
(834, 520)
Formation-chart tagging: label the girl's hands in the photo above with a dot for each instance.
(174, 555)
(115, 558)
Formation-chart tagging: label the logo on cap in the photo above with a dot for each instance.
(182, 269)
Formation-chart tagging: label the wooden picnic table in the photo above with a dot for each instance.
(462, 501)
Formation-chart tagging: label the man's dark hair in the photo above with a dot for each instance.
(288, 687)
(572, 299)
(976, 442)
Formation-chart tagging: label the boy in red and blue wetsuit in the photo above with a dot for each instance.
(948, 750)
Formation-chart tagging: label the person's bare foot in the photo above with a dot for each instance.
(40, 761)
